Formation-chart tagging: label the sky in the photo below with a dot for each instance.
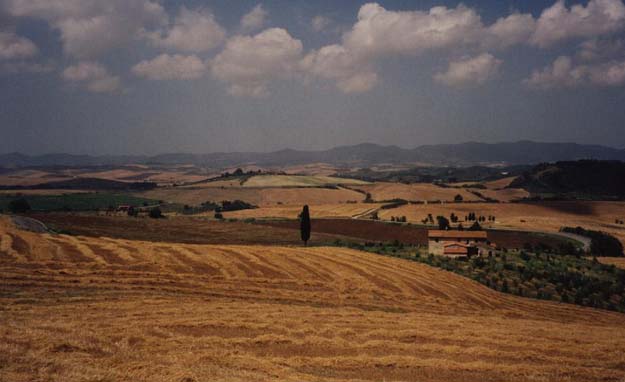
(158, 76)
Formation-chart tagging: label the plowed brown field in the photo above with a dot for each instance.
(96, 309)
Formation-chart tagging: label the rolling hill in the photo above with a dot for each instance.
(182, 312)
(366, 154)
(584, 179)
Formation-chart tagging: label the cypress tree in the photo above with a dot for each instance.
(305, 225)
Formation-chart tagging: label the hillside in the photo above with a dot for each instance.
(182, 312)
(86, 184)
(581, 179)
(366, 154)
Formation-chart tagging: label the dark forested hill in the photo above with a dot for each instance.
(585, 179)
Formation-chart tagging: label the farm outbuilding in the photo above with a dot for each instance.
(456, 243)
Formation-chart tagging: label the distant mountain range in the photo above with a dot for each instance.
(366, 154)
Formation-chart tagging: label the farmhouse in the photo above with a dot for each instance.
(456, 243)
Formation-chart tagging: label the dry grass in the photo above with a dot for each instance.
(175, 174)
(415, 192)
(261, 181)
(616, 261)
(29, 177)
(547, 216)
(323, 169)
(259, 197)
(88, 309)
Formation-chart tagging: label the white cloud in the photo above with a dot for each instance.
(381, 32)
(254, 19)
(600, 49)
(167, 67)
(93, 75)
(335, 62)
(320, 23)
(608, 74)
(561, 73)
(90, 27)
(13, 47)
(192, 31)
(597, 18)
(248, 63)
(470, 71)
(515, 29)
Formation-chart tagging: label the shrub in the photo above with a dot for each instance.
(19, 206)
(443, 223)
(156, 213)
(235, 205)
(475, 227)
(601, 244)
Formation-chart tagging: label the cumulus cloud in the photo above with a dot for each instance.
(608, 74)
(93, 75)
(565, 73)
(171, 67)
(381, 32)
(470, 71)
(254, 19)
(515, 29)
(192, 31)
(561, 73)
(335, 62)
(597, 18)
(247, 63)
(600, 49)
(13, 46)
(90, 27)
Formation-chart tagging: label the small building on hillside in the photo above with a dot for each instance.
(456, 243)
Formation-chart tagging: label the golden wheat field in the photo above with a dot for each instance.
(547, 216)
(28, 177)
(415, 192)
(100, 309)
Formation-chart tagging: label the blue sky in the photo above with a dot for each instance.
(148, 76)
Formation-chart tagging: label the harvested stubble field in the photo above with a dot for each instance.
(415, 192)
(257, 196)
(30, 177)
(76, 308)
(543, 216)
(298, 181)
